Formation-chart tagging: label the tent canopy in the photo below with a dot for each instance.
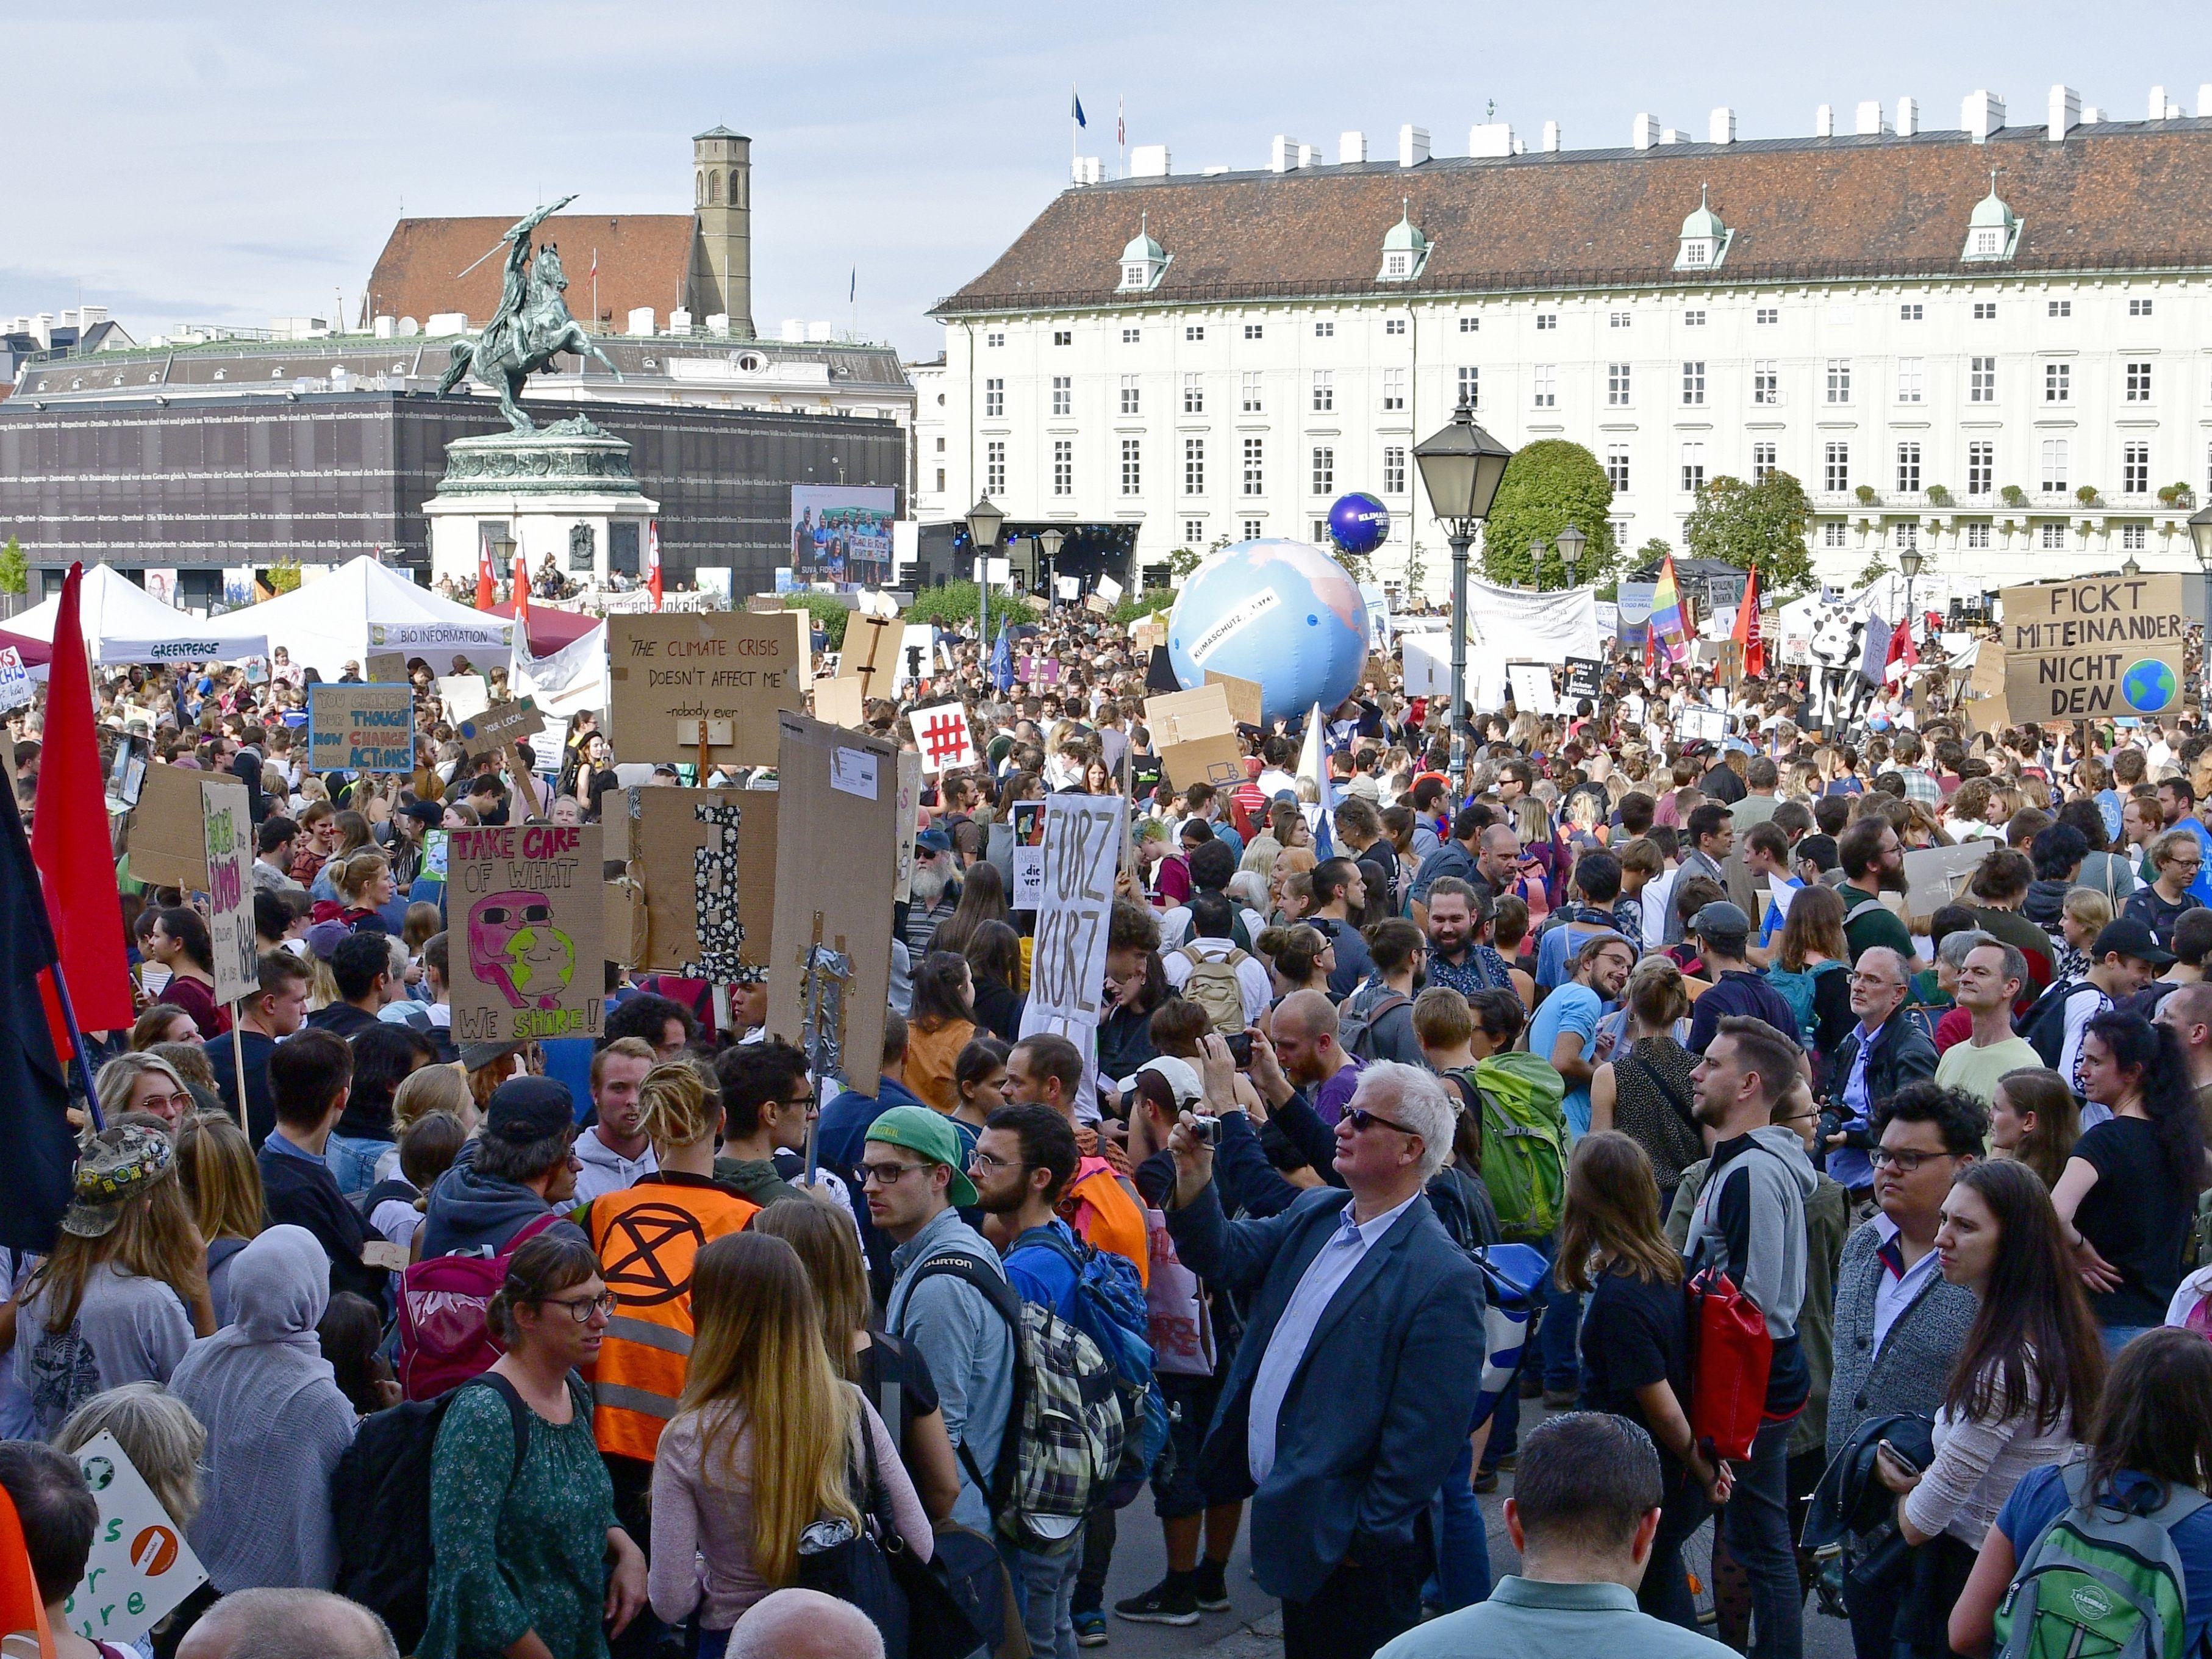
(363, 607)
(125, 623)
(552, 628)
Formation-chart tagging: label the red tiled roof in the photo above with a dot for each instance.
(2123, 195)
(644, 260)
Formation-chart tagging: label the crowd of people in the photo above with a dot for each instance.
(656, 1343)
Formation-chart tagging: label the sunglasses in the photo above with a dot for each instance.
(1363, 1119)
(500, 914)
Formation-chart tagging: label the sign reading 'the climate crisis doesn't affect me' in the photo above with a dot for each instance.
(2098, 648)
(526, 902)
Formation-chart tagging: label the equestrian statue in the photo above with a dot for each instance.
(531, 326)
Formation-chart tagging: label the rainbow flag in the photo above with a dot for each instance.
(1669, 636)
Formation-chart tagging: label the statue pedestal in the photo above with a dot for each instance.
(565, 491)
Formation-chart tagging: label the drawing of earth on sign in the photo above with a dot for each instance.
(514, 947)
(1280, 612)
(2148, 685)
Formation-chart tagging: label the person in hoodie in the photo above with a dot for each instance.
(2057, 853)
(523, 1164)
(1749, 1224)
(614, 1151)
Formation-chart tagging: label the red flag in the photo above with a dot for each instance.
(70, 843)
(1904, 655)
(485, 596)
(1745, 632)
(522, 594)
(652, 561)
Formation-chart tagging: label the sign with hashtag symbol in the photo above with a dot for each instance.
(942, 733)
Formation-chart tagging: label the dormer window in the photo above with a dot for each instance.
(1133, 274)
(1993, 232)
(1704, 240)
(1405, 250)
(1144, 262)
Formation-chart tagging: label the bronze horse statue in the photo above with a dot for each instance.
(531, 326)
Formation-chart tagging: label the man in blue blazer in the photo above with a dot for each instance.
(1357, 1375)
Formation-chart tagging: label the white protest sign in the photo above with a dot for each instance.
(1531, 685)
(1067, 587)
(1695, 724)
(941, 732)
(1082, 846)
(225, 822)
(15, 688)
(1110, 590)
(139, 1567)
(1029, 855)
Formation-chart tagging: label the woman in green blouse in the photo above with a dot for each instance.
(527, 1560)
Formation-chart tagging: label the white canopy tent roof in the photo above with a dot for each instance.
(363, 607)
(125, 623)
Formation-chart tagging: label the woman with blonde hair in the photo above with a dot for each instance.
(433, 1089)
(1304, 957)
(765, 1445)
(124, 1292)
(222, 1182)
(142, 1083)
(362, 886)
(2035, 1118)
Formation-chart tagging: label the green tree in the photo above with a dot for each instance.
(1876, 569)
(1657, 548)
(15, 569)
(1759, 527)
(283, 576)
(1548, 485)
(1151, 601)
(950, 605)
(826, 609)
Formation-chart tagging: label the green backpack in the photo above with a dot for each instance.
(2102, 1581)
(1524, 1140)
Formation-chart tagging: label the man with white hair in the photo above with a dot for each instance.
(289, 1624)
(804, 1624)
(1352, 1387)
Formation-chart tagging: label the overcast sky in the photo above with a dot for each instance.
(230, 162)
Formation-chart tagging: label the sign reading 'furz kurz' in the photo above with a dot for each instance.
(2101, 648)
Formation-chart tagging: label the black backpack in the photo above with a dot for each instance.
(2044, 1024)
(380, 1499)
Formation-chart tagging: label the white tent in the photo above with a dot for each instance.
(363, 607)
(125, 623)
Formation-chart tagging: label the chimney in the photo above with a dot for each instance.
(1873, 120)
(1908, 117)
(1351, 148)
(2158, 103)
(1412, 145)
(2091, 115)
(1149, 161)
(1487, 139)
(1721, 128)
(1643, 132)
(1550, 138)
(1308, 155)
(1283, 157)
(2204, 100)
(640, 322)
(1824, 121)
(2065, 113)
(1982, 114)
(1090, 170)
(1672, 135)
(721, 275)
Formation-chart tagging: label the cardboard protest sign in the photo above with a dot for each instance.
(1108, 590)
(839, 701)
(1028, 819)
(829, 977)
(942, 734)
(870, 651)
(1531, 685)
(2095, 648)
(1935, 876)
(360, 728)
(15, 688)
(1985, 703)
(1194, 734)
(386, 667)
(1585, 678)
(167, 846)
(227, 828)
(705, 859)
(731, 666)
(140, 1566)
(526, 904)
(1082, 848)
(1244, 695)
(500, 724)
(909, 823)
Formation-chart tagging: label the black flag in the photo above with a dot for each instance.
(38, 1150)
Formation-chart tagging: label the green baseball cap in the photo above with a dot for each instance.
(923, 1130)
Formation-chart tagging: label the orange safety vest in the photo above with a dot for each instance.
(647, 1236)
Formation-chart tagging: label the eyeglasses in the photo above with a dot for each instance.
(581, 1311)
(991, 1161)
(1903, 1163)
(1878, 981)
(885, 1175)
(1363, 1119)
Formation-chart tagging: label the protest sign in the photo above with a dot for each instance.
(838, 701)
(1245, 696)
(1530, 684)
(15, 688)
(1194, 734)
(1082, 846)
(667, 667)
(1108, 590)
(386, 667)
(526, 902)
(464, 696)
(705, 859)
(360, 728)
(1985, 703)
(909, 824)
(830, 978)
(1585, 678)
(167, 846)
(500, 724)
(1029, 855)
(870, 653)
(2093, 648)
(227, 827)
(942, 733)
(1695, 723)
(140, 1566)
(1935, 876)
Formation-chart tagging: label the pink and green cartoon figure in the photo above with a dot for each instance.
(513, 945)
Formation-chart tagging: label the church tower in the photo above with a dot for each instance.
(721, 276)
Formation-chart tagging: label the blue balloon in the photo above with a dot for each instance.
(1280, 612)
(1358, 523)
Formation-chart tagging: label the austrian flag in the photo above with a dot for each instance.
(942, 735)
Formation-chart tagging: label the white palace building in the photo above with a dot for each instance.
(1994, 344)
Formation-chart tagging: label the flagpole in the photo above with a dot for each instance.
(76, 1047)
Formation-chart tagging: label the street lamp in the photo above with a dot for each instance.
(1570, 549)
(1535, 566)
(985, 521)
(2130, 568)
(1908, 565)
(1049, 541)
(502, 558)
(2200, 537)
(1461, 466)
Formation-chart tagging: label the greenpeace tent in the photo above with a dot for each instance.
(363, 607)
(125, 623)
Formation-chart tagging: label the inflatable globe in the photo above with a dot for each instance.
(1279, 613)
(2148, 685)
(1358, 523)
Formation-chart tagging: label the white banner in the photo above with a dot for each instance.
(1082, 847)
(16, 691)
(941, 732)
(1505, 622)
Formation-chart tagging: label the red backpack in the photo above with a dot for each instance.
(444, 1338)
(1731, 1356)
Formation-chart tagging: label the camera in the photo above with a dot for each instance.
(1207, 1130)
(1831, 1126)
(1240, 1049)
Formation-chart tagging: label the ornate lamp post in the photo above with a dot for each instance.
(985, 521)
(1048, 543)
(1908, 565)
(1461, 467)
(1570, 542)
(502, 562)
(2200, 537)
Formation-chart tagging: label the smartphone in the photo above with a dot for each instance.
(1899, 1458)
(1240, 1049)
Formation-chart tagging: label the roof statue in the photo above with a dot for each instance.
(531, 326)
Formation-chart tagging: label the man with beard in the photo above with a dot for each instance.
(1457, 956)
(935, 892)
(1873, 863)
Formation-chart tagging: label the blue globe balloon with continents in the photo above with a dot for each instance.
(2148, 685)
(1358, 523)
(1280, 612)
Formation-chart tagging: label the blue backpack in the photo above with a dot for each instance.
(1111, 1310)
(1797, 986)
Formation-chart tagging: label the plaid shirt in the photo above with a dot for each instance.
(1483, 969)
(1920, 785)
